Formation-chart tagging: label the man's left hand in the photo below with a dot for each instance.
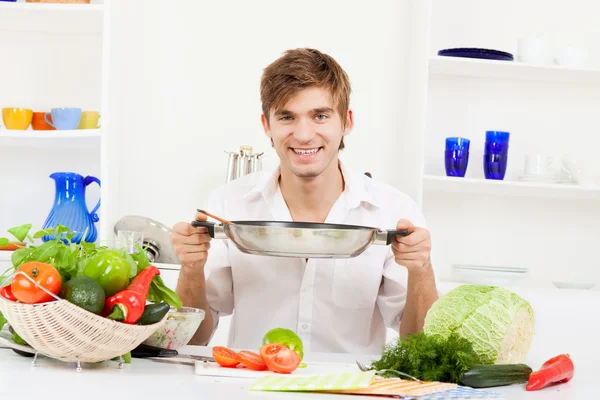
(412, 251)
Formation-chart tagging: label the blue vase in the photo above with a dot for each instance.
(70, 209)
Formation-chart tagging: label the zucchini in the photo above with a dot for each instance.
(153, 313)
(483, 376)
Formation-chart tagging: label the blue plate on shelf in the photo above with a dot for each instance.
(469, 52)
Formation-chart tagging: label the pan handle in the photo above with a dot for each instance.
(215, 230)
(385, 237)
(205, 224)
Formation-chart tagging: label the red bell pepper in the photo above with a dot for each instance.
(559, 369)
(128, 305)
(7, 293)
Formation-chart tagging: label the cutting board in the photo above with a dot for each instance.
(313, 368)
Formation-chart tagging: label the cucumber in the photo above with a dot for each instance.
(153, 313)
(483, 376)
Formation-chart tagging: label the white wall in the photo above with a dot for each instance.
(185, 87)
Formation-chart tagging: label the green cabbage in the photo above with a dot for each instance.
(497, 322)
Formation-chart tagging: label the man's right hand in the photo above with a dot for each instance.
(191, 244)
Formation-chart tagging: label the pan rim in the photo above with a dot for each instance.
(303, 225)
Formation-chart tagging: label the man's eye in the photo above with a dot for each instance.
(321, 117)
(285, 118)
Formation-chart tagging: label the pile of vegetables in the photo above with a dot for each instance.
(477, 336)
(107, 282)
(281, 352)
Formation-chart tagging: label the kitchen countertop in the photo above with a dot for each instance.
(566, 322)
(147, 379)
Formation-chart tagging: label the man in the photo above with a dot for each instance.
(340, 305)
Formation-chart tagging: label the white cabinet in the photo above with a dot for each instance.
(53, 55)
(551, 229)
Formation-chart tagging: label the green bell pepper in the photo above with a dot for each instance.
(110, 270)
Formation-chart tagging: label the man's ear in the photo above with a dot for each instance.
(349, 123)
(265, 125)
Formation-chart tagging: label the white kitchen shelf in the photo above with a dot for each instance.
(446, 184)
(51, 7)
(513, 70)
(59, 138)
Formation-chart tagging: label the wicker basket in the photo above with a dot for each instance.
(69, 333)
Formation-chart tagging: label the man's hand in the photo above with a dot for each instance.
(412, 251)
(191, 244)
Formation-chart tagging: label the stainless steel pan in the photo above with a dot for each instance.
(299, 239)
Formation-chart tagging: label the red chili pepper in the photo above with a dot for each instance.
(7, 293)
(559, 369)
(128, 305)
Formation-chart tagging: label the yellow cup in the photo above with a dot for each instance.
(89, 120)
(17, 118)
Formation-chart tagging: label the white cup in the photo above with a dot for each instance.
(574, 57)
(540, 166)
(534, 51)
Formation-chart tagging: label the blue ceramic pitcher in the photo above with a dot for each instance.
(70, 208)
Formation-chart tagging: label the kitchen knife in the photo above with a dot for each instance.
(146, 351)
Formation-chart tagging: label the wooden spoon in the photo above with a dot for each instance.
(222, 220)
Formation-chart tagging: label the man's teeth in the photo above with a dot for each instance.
(306, 151)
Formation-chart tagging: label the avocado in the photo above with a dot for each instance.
(84, 292)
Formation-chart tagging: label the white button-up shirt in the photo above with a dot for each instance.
(334, 305)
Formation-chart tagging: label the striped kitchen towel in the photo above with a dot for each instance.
(349, 380)
(459, 393)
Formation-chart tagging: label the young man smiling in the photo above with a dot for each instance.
(339, 305)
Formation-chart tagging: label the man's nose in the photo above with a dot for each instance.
(304, 131)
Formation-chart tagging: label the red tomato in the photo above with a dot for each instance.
(6, 292)
(279, 358)
(44, 275)
(251, 360)
(225, 357)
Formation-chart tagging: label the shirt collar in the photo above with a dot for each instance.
(355, 188)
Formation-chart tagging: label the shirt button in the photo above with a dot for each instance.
(304, 326)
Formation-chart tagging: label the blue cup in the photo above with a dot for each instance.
(64, 118)
(495, 148)
(494, 166)
(457, 143)
(497, 136)
(456, 162)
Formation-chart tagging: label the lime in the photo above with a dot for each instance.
(285, 337)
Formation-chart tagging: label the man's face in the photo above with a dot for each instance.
(307, 132)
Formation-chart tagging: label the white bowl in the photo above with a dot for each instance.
(178, 329)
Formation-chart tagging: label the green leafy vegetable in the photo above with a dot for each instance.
(20, 232)
(4, 241)
(160, 292)
(496, 321)
(429, 358)
(2, 321)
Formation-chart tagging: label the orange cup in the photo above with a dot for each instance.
(38, 123)
(17, 118)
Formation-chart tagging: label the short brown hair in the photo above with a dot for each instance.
(299, 69)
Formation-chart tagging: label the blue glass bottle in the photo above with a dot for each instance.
(70, 208)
